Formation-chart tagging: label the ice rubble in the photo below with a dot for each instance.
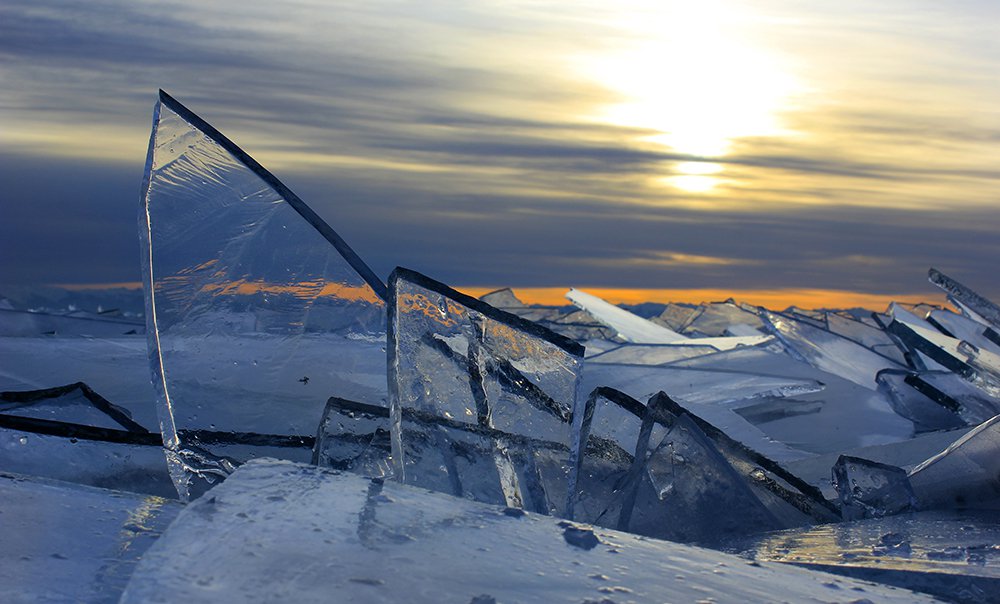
(258, 314)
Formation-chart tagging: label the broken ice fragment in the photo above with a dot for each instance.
(74, 403)
(689, 493)
(926, 413)
(826, 350)
(613, 431)
(979, 368)
(967, 300)
(247, 291)
(966, 474)
(869, 489)
(633, 328)
(459, 359)
(957, 395)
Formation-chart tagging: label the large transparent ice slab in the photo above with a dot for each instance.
(281, 531)
(970, 302)
(70, 543)
(828, 351)
(966, 474)
(963, 328)
(952, 556)
(456, 358)
(257, 311)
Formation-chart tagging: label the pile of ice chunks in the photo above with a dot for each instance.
(268, 336)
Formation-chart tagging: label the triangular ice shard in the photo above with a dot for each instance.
(256, 310)
(459, 359)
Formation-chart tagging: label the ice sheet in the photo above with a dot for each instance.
(629, 326)
(966, 474)
(69, 543)
(277, 530)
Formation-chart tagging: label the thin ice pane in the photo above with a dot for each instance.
(828, 351)
(456, 358)
(257, 311)
(968, 300)
(966, 474)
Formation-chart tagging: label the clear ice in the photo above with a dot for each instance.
(458, 359)
(257, 311)
(868, 489)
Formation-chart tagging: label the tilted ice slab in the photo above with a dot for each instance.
(828, 351)
(238, 273)
(459, 359)
(69, 543)
(279, 531)
(637, 330)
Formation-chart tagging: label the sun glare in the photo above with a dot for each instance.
(685, 74)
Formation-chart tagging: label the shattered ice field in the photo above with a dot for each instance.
(269, 420)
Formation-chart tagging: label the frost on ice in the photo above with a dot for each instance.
(267, 336)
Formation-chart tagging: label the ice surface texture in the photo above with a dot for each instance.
(953, 556)
(276, 531)
(966, 474)
(257, 311)
(69, 543)
(459, 359)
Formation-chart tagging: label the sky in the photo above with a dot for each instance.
(661, 150)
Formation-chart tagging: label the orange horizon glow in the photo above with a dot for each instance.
(772, 299)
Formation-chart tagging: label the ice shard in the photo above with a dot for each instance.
(949, 390)
(715, 320)
(458, 359)
(354, 437)
(633, 328)
(868, 489)
(970, 302)
(927, 413)
(651, 354)
(441, 455)
(690, 493)
(502, 298)
(965, 475)
(70, 543)
(828, 351)
(613, 431)
(953, 556)
(870, 337)
(257, 310)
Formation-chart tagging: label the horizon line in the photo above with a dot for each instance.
(774, 299)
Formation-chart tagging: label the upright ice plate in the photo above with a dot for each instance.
(257, 311)
(462, 360)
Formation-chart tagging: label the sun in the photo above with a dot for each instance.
(685, 73)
